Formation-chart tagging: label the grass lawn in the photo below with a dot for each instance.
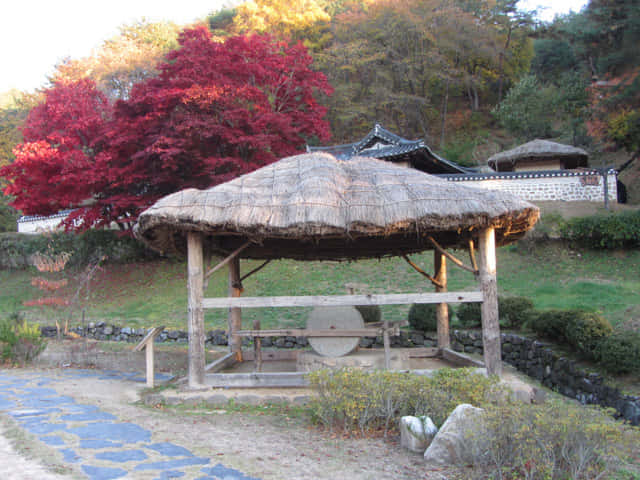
(148, 294)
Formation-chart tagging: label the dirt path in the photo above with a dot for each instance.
(260, 446)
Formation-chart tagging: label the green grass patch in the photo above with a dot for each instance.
(153, 293)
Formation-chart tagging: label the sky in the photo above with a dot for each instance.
(37, 34)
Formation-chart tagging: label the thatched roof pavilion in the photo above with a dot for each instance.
(539, 155)
(316, 207)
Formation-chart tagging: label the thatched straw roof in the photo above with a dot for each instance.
(539, 149)
(313, 206)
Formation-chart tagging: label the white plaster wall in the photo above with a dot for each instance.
(568, 188)
(40, 225)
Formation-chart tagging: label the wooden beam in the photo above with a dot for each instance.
(255, 380)
(148, 338)
(232, 255)
(451, 257)
(195, 269)
(442, 309)
(489, 309)
(299, 332)
(420, 271)
(273, 355)
(460, 359)
(342, 300)
(235, 314)
(221, 363)
(257, 269)
(424, 352)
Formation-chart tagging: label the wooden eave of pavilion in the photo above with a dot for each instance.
(317, 207)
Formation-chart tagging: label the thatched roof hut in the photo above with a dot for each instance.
(315, 207)
(539, 155)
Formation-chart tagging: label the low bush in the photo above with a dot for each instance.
(354, 400)
(609, 231)
(469, 315)
(556, 440)
(370, 313)
(619, 352)
(515, 311)
(580, 329)
(422, 317)
(585, 330)
(19, 341)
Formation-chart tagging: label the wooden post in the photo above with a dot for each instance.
(235, 314)
(489, 287)
(196, 313)
(442, 309)
(257, 347)
(387, 345)
(150, 370)
(147, 343)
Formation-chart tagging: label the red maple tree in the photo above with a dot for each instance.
(215, 111)
(53, 169)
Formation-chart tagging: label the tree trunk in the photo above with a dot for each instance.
(442, 309)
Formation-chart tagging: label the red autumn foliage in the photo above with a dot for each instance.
(216, 111)
(54, 166)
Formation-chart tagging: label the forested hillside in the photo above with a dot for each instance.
(471, 77)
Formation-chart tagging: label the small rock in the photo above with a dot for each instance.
(453, 444)
(108, 330)
(416, 433)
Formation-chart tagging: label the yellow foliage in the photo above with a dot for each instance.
(279, 17)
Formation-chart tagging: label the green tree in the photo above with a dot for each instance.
(526, 110)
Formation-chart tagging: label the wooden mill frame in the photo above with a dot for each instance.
(487, 295)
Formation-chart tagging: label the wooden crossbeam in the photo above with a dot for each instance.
(300, 332)
(342, 300)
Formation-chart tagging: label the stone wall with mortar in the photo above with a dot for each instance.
(555, 185)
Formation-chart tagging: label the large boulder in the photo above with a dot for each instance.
(454, 442)
(416, 433)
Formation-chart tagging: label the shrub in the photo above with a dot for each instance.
(355, 400)
(608, 231)
(556, 440)
(370, 313)
(585, 330)
(581, 330)
(515, 311)
(619, 352)
(469, 315)
(551, 324)
(20, 342)
(422, 317)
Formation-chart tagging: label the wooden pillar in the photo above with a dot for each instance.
(489, 287)
(442, 309)
(387, 345)
(235, 314)
(196, 313)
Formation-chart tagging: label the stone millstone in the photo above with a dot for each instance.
(330, 318)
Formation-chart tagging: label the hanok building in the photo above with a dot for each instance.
(380, 143)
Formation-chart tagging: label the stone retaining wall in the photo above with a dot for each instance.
(529, 356)
(561, 374)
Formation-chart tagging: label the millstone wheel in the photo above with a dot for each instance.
(330, 318)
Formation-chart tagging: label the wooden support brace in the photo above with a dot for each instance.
(451, 257)
(257, 269)
(147, 344)
(421, 272)
(231, 256)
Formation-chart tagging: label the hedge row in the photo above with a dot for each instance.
(16, 249)
(606, 231)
